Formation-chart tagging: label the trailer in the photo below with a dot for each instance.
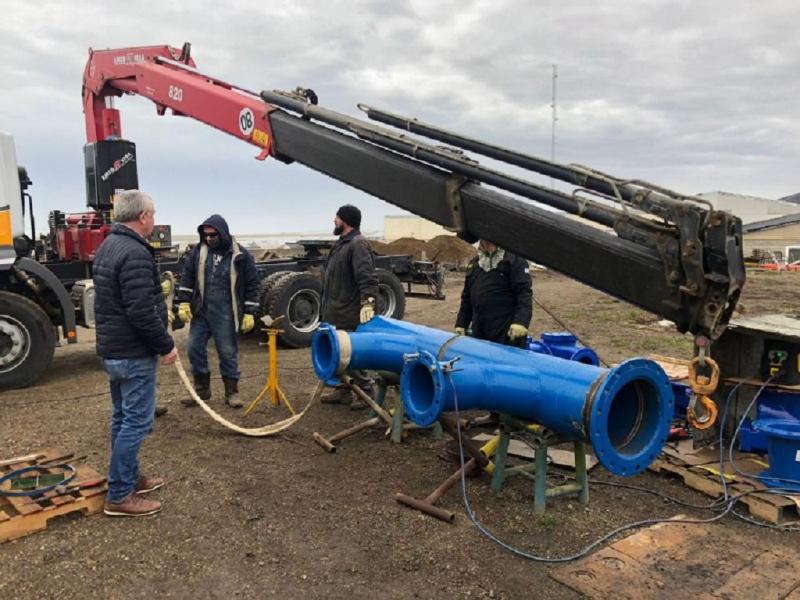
(292, 287)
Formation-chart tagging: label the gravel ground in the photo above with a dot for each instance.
(279, 517)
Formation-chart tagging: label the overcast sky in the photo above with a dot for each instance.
(692, 95)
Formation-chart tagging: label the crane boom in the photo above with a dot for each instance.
(657, 249)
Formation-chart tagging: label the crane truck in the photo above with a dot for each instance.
(668, 253)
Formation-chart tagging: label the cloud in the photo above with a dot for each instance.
(695, 96)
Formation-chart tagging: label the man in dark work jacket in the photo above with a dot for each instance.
(497, 300)
(349, 290)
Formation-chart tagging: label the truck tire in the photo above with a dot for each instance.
(265, 288)
(391, 300)
(298, 298)
(27, 341)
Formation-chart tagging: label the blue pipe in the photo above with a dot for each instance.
(624, 412)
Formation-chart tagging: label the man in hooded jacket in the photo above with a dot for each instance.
(218, 294)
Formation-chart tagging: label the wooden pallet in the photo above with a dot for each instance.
(773, 508)
(21, 516)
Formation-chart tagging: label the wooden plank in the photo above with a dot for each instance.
(676, 369)
(599, 576)
(772, 508)
(674, 549)
(684, 451)
(8, 462)
(559, 457)
(770, 575)
(654, 562)
(674, 539)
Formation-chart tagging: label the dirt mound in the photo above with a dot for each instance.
(451, 249)
(447, 249)
(411, 246)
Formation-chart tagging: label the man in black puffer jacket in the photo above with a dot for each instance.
(131, 321)
(218, 294)
(349, 290)
(497, 299)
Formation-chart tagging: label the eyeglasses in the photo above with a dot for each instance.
(211, 234)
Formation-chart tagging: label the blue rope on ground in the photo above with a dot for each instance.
(69, 475)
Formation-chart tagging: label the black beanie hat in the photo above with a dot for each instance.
(350, 215)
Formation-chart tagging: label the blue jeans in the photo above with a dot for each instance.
(133, 393)
(218, 325)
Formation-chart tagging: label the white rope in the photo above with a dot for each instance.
(264, 431)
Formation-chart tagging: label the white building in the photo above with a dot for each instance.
(402, 226)
(749, 208)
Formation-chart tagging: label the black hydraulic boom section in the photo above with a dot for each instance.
(669, 254)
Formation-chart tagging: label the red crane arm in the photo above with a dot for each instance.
(167, 76)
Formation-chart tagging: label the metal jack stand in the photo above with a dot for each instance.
(276, 395)
(543, 439)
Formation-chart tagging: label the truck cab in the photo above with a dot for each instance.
(34, 304)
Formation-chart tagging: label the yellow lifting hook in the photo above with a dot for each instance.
(702, 386)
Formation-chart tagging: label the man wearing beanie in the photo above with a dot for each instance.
(349, 289)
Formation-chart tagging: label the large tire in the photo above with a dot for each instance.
(298, 298)
(265, 288)
(391, 300)
(27, 341)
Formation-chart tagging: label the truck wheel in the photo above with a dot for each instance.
(265, 288)
(27, 341)
(391, 301)
(298, 298)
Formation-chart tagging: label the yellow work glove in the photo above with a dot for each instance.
(248, 322)
(185, 312)
(367, 310)
(166, 288)
(460, 331)
(170, 317)
(517, 331)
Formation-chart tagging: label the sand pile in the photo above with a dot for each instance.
(411, 246)
(446, 249)
(452, 250)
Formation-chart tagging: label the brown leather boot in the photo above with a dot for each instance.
(202, 385)
(132, 506)
(145, 485)
(340, 395)
(232, 398)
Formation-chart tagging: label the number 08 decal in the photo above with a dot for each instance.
(247, 121)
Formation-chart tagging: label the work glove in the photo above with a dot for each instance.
(460, 330)
(170, 317)
(248, 322)
(367, 310)
(517, 331)
(166, 288)
(185, 312)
